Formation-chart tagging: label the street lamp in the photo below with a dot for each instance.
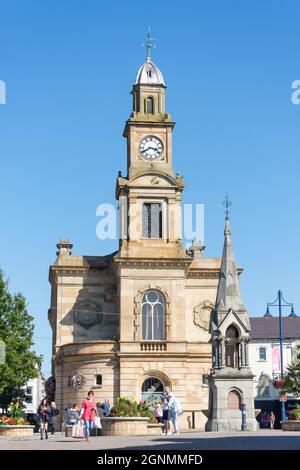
(280, 303)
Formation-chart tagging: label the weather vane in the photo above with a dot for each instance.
(227, 203)
(149, 44)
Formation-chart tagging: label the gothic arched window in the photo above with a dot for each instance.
(149, 105)
(153, 316)
(152, 220)
(234, 400)
(232, 347)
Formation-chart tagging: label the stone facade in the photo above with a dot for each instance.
(101, 327)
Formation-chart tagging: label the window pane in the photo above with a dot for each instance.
(262, 354)
(98, 379)
(158, 322)
(151, 220)
(153, 316)
(147, 321)
(156, 219)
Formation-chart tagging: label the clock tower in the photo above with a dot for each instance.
(149, 196)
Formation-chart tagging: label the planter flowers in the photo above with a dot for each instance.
(15, 424)
(78, 382)
(127, 418)
(278, 383)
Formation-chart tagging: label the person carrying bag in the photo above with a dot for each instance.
(77, 430)
(97, 423)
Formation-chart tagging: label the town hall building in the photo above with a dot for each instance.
(137, 320)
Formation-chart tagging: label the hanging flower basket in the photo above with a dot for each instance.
(78, 381)
(278, 383)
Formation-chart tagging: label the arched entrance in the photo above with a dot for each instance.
(152, 389)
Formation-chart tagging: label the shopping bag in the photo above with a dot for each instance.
(97, 422)
(77, 430)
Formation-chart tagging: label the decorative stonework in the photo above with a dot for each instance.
(202, 314)
(87, 313)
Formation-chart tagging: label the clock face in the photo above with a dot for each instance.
(151, 148)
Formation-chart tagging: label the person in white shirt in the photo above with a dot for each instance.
(167, 399)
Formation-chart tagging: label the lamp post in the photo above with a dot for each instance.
(280, 303)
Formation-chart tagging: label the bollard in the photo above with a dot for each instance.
(244, 417)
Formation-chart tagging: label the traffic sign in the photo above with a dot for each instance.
(283, 396)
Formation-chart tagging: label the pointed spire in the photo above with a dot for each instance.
(149, 45)
(228, 294)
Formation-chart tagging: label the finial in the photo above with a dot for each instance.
(149, 45)
(64, 247)
(227, 203)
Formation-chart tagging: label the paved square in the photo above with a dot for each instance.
(260, 440)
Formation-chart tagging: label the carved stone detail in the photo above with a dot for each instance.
(202, 313)
(87, 313)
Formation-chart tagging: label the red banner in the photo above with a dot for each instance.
(276, 359)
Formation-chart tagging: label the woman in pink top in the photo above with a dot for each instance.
(88, 411)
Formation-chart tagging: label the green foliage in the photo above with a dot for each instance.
(295, 413)
(128, 407)
(292, 378)
(16, 330)
(16, 410)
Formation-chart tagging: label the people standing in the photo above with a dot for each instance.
(272, 420)
(88, 411)
(106, 408)
(73, 414)
(43, 413)
(158, 412)
(54, 411)
(167, 413)
(176, 411)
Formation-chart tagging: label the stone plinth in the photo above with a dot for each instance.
(154, 429)
(124, 426)
(16, 431)
(290, 425)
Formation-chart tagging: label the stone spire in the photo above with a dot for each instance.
(229, 295)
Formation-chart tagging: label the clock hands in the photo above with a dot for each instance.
(150, 148)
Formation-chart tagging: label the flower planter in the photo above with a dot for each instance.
(124, 426)
(16, 431)
(290, 425)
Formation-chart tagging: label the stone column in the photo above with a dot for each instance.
(242, 353)
(246, 353)
(222, 355)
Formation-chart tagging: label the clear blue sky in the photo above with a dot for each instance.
(69, 67)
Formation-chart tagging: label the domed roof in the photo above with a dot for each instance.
(149, 74)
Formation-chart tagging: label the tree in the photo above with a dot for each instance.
(292, 378)
(16, 331)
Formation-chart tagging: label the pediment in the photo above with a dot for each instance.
(153, 179)
(233, 318)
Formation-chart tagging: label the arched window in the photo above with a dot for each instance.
(232, 347)
(149, 105)
(152, 220)
(263, 387)
(234, 400)
(153, 316)
(152, 389)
